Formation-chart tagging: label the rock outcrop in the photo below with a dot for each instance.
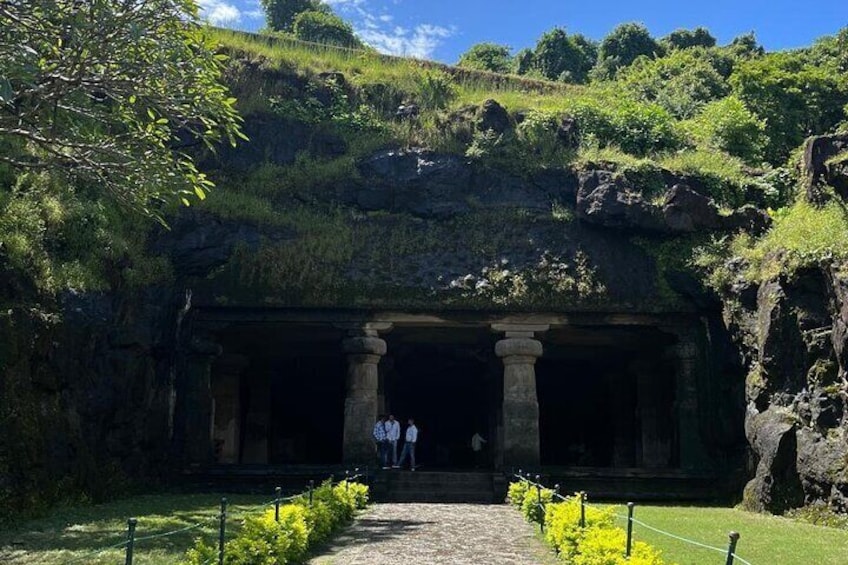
(793, 331)
(826, 164)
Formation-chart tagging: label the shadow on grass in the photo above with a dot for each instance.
(78, 530)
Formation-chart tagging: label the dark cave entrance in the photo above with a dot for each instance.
(608, 396)
(607, 399)
(449, 381)
(279, 396)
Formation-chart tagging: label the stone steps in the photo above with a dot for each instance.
(437, 486)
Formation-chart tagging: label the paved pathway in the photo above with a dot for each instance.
(436, 534)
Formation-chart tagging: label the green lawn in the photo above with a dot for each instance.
(765, 540)
(70, 535)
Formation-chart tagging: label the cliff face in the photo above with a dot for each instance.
(793, 329)
(306, 217)
(85, 396)
(88, 392)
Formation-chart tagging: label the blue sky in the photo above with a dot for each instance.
(443, 29)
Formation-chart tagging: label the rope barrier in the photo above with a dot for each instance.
(232, 512)
(171, 533)
(96, 552)
(679, 538)
(741, 560)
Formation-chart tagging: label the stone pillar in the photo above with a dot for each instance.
(688, 362)
(197, 404)
(364, 350)
(621, 395)
(520, 408)
(656, 450)
(226, 390)
(257, 418)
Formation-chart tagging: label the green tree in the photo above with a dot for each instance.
(794, 97)
(487, 57)
(559, 56)
(686, 38)
(323, 27)
(831, 50)
(727, 125)
(622, 46)
(280, 14)
(681, 82)
(523, 61)
(105, 92)
(745, 47)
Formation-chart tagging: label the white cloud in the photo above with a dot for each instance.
(219, 12)
(376, 26)
(256, 11)
(420, 42)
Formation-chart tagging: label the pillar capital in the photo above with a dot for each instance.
(524, 348)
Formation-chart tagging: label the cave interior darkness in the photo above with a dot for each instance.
(279, 394)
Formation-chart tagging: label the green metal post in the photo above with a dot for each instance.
(277, 491)
(731, 549)
(311, 488)
(630, 506)
(222, 531)
(131, 524)
(582, 509)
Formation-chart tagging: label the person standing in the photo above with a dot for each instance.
(411, 439)
(393, 435)
(381, 439)
(477, 443)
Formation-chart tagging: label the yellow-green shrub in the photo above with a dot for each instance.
(562, 524)
(598, 543)
(605, 546)
(264, 541)
(516, 492)
(355, 495)
(530, 505)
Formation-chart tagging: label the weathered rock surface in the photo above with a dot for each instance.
(685, 210)
(610, 201)
(794, 336)
(91, 395)
(821, 167)
(492, 116)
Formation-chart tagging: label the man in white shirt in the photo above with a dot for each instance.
(393, 434)
(409, 445)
